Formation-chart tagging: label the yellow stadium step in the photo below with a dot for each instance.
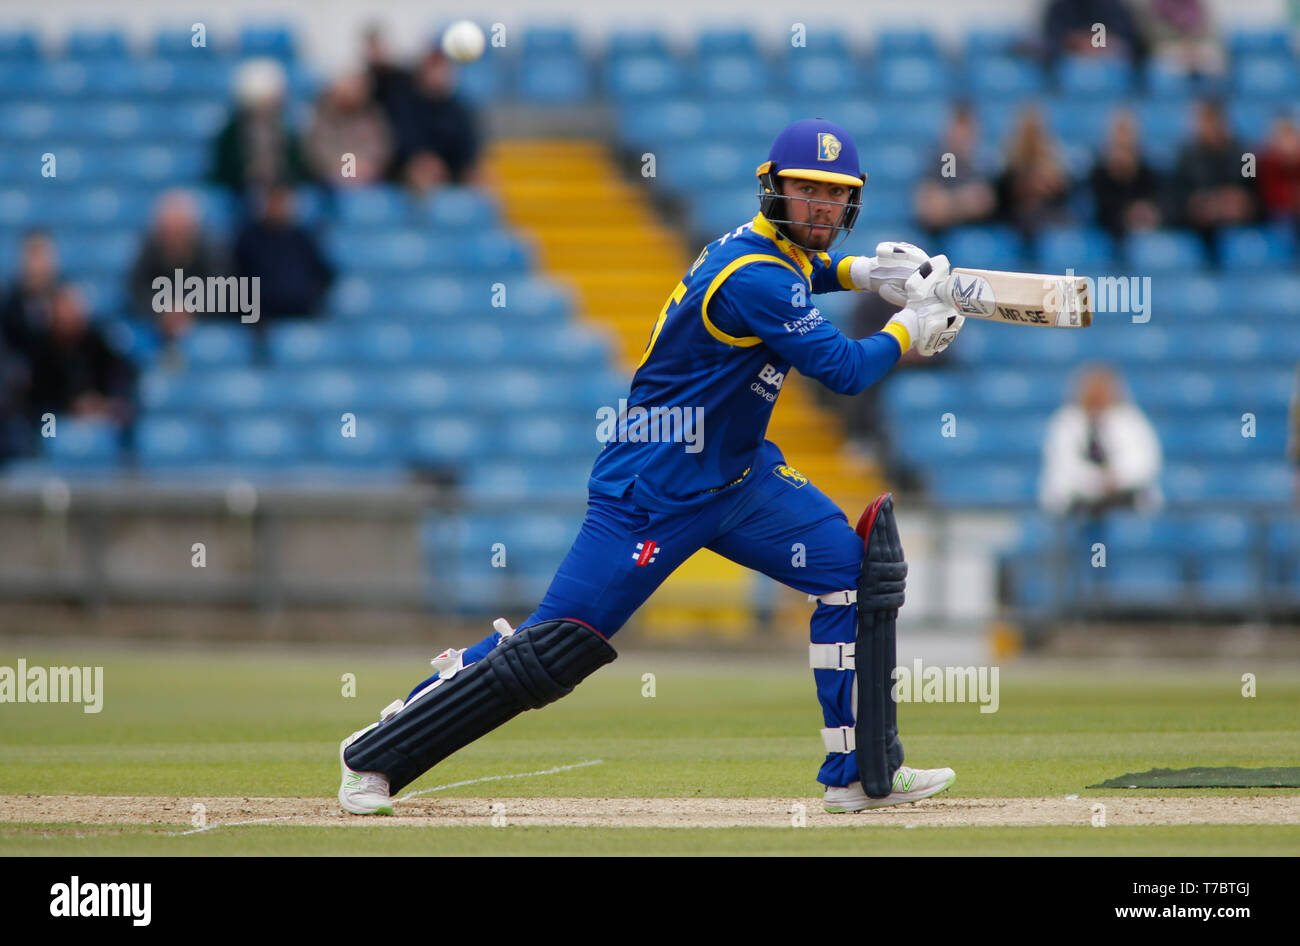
(599, 233)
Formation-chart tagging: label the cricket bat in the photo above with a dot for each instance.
(1019, 298)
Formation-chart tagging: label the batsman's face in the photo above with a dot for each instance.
(815, 209)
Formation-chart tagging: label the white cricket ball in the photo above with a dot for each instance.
(463, 41)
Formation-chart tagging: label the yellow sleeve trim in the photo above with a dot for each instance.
(901, 335)
(842, 272)
(748, 341)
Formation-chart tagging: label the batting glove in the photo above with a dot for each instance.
(931, 323)
(887, 271)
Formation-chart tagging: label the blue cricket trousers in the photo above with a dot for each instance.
(775, 521)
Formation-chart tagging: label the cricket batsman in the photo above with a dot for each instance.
(729, 333)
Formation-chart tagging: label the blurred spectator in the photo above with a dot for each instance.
(1208, 189)
(1125, 189)
(436, 132)
(1180, 36)
(175, 241)
(24, 311)
(285, 256)
(16, 433)
(960, 193)
(346, 121)
(1033, 189)
(1100, 451)
(256, 147)
(1279, 172)
(74, 369)
(387, 82)
(1068, 27)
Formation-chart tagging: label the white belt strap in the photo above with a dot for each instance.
(831, 656)
(837, 597)
(840, 739)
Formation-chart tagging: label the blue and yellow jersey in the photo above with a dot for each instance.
(729, 333)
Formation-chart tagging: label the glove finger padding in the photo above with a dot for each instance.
(922, 285)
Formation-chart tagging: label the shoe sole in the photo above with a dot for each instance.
(876, 803)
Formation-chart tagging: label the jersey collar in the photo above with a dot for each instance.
(764, 228)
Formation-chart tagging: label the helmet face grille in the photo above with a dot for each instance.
(773, 205)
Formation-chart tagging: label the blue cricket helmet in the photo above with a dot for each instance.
(813, 150)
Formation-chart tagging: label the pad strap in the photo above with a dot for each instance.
(840, 739)
(837, 597)
(832, 656)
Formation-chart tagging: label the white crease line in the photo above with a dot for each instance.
(495, 778)
(229, 824)
(423, 791)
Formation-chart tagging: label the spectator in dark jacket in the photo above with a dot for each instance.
(74, 369)
(1209, 190)
(175, 241)
(25, 308)
(1069, 27)
(1033, 188)
(286, 258)
(437, 134)
(959, 191)
(1125, 189)
(257, 147)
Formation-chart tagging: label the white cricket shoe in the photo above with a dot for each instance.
(909, 785)
(363, 793)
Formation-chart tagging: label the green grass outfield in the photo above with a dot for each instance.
(205, 724)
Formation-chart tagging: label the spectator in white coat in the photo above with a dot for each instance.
(1101, 453)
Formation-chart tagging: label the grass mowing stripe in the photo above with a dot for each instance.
(495, 778)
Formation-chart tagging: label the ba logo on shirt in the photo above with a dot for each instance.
(645, 552)
(770, 375)
(791, 475)
(828, 146)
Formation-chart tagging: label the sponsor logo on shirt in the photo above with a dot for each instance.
(645, 552)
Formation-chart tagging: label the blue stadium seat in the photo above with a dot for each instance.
(482, 81)
(83, 442)
(1276, 295)
(372, 439)
(1080, 122)
(1256, 247)
(537, 299)
(924, 390)
(1132, 534)
(1165, 81)
(1142, 581)
(556, 39)
(274, 40)
(724, 42)
(913, 76)
(1163, 250)
(1091, 78)
(446, 439)
(986, 484)
(625, 43)
(731, 77)
(19, 44)
(1251, 41)
(1077, 248)
(307, 343)
(263, 438)
(1176, 390)
(660, 123)
(388, 343)
(1003, 78)
(232, 389)
(1227, 581)
(984, 247)
(327, 389)
(95, 44)
(883, 204)
(1266, 78)
(218, 344)
(1184, 297)
(816, 75)
(554, 80)
(541, 437)
(904, 42)
(893, 163)
(424, 390)
(982, 43)
(645, 78)
(178, 43)
(175, 440)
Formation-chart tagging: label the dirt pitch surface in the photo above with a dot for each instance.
(181, 815)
